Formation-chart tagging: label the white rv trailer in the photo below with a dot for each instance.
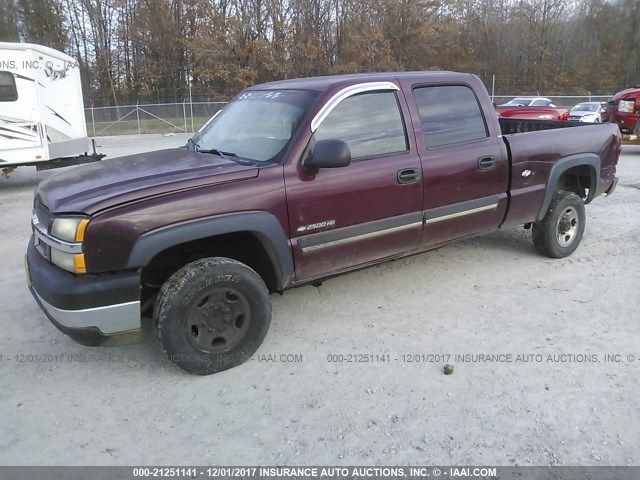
(42, 119)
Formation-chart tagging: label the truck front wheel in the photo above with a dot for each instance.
(559, 233)
(212, 315)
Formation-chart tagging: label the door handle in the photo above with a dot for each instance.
(408, 175)
(485, 163)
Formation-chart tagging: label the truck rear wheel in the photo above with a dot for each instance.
(212, 315)
(559, 233)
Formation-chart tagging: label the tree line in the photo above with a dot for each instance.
(159, 50)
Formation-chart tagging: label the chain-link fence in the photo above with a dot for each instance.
(189, 117)
(149, 118)
(568, 101)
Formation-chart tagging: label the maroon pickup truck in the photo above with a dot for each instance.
(293, 182)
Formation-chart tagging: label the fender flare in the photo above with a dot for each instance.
(263, 225)
(590, 160)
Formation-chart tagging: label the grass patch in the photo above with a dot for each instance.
(130, 126)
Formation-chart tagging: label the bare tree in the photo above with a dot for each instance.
(133, 50)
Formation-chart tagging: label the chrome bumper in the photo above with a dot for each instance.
(109, 320)
(91, 309)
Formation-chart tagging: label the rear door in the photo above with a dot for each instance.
(346, 217)
(464, 161)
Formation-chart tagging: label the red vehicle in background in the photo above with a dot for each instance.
(624, 109)
(532, 108)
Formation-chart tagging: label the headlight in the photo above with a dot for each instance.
(68, 253)
(626, 106)
(70, 229)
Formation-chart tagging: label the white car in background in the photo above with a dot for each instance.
(529, 102)
(587, 112)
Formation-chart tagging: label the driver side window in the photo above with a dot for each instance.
(370, 123)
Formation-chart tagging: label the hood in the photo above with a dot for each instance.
(91, 188)
(633, 92)
(582, 113)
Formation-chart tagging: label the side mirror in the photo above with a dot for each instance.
(329, 154)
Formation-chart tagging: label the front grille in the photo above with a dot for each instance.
(44, 219)
(43, 215)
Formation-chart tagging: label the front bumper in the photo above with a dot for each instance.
(613, 186)
(92, 309)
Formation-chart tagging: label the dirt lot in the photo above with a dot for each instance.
(492, 295)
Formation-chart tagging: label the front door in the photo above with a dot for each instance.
(341, 218)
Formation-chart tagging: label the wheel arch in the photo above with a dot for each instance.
(263, 227)
(579, 166)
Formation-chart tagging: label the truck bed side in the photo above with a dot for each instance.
(582, 159)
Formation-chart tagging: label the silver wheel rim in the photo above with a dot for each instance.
(567, 226)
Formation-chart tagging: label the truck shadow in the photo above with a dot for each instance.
(511, 239)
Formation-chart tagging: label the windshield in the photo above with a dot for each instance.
(519, 102)
(585, 107)
(257, 125)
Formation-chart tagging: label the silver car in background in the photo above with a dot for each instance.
(587, 112)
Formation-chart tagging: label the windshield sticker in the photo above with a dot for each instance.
(278, 95)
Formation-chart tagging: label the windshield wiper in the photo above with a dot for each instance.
(220, 153)
(226, 156)
(192, 146)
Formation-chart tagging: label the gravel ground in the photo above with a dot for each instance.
(560, 402)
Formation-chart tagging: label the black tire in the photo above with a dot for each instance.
(212, 315)
(559, 233)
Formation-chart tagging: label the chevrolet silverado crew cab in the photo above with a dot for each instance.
(293, 182)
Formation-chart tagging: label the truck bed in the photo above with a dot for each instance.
(535, 146)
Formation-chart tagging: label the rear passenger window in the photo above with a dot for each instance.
(450, 115)
(8, 91)
(370, 123)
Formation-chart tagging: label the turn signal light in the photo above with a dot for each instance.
(82, 226)
(79, 263)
